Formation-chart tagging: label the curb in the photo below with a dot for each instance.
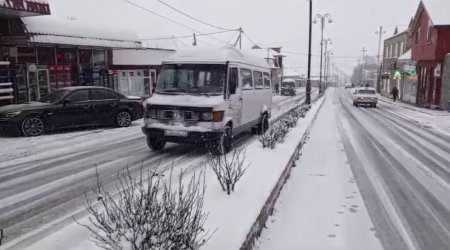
(267, 209)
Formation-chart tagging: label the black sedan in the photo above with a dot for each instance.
(70, 108)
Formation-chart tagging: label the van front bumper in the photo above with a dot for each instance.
(192, 137)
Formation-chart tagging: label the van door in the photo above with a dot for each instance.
(250, 100)
(234, 97)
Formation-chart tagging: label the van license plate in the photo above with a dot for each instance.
(176, 133)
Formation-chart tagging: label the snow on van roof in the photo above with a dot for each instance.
(288, 80)
(217, 55)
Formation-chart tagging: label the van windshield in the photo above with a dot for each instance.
(192, 79)
(288, 85)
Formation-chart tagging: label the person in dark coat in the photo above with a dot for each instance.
(394, 93)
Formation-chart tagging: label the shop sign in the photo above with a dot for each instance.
(437, 71)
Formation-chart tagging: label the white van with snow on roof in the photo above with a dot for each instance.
(207, 97)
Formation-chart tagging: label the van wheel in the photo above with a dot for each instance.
(264, 125)
(156, 144)
(224, 144)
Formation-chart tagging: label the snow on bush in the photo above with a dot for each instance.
(278, 131)
(229, 168)
(149, 214)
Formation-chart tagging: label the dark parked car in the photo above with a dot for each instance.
(70, 108)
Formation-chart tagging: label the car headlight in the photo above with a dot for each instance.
(12, 114)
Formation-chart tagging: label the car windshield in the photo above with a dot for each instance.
(192, 79)
(367, 91)
(288, 85)
(54, 96)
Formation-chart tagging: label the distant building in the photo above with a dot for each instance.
(394, 47)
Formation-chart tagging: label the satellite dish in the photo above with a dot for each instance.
(32, 67)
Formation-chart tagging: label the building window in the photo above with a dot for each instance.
(386, 50)
(402, 48)
(395, 50)
(417, 36)
(429, 31)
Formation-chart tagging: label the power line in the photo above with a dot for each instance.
(195, 19)
(186, 36)
(168, 19)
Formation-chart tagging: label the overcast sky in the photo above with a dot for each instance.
(267, 22)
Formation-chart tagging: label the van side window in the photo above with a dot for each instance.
(247, 79)
(234, 81)
(258, 78)
(266, 80)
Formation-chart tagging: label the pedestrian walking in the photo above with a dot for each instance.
(394, 93)
(277, 88)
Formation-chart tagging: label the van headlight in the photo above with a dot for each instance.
(208, 116)
(152, 114)
(215, 116)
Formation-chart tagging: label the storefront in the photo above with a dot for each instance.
(134, 72)
(44, 57)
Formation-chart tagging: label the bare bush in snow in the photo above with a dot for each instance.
(150, 213)
(229, 168)
(271, 137)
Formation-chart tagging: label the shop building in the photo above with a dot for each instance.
(430, 35)
(134, 71)
(49, 52)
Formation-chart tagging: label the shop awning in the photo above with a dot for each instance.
(72, 31)
(406, 56)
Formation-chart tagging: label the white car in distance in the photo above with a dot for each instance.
(365, 96)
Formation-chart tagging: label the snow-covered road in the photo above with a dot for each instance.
(43, 179)
(400, 159)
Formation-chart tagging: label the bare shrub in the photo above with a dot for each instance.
(271, 137)
(149, 214)
(229, 168)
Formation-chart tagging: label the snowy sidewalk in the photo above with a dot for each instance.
(320, 206)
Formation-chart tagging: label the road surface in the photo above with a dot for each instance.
(400, 159)
(43, 179)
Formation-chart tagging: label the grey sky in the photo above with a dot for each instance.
(267, 22)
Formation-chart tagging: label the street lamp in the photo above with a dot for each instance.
(328, 54)
(323, 19)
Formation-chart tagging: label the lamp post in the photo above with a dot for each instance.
(308, 80)
(328, 54)
(322, 19)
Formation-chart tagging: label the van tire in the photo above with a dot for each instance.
(224, 144)
(156, 144)
(264, 125)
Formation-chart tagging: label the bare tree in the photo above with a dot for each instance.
(149, 213)
(229, 168)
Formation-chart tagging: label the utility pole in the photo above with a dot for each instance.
(322, 19)
(308, 81)
(326, 41)
(239, 39)
(380, 33)
(364, 64)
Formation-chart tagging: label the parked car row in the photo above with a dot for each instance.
(71, 107)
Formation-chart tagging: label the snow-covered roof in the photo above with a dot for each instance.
(438, 10)
(218, 55)
(140, 56)
(406, 56)
(53, 29)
